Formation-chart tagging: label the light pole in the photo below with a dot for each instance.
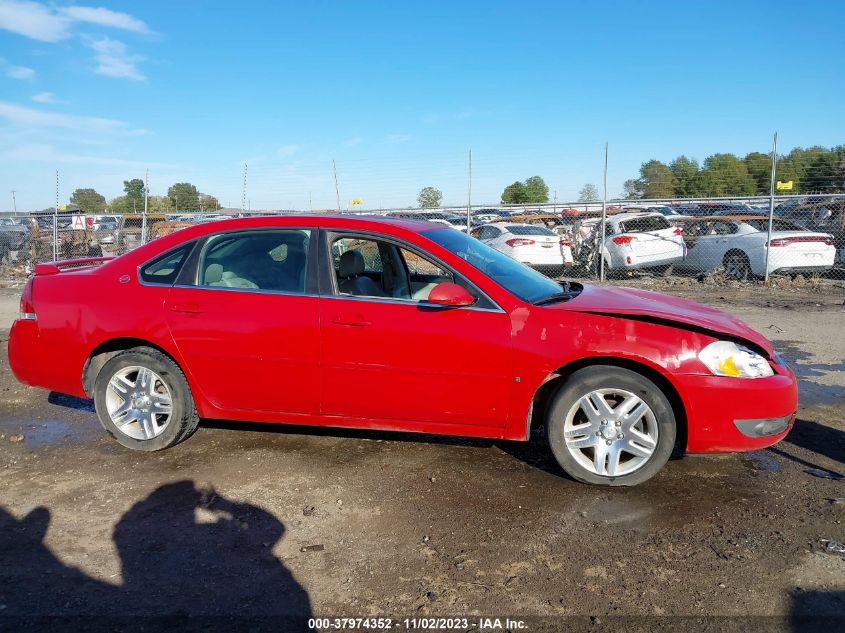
(14, 202)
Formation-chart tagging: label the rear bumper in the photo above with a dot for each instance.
(35, 363)
(726, 415)
(784, 261)
(633, 261)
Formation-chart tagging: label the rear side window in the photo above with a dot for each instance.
(165, 268)
(642, 225)
(528, 230)
(273, 260)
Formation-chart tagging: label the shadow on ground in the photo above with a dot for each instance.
(190, 558)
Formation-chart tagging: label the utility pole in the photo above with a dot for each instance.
(56, 222)
(469, 193)
(603, 218)
(336, 188)
(771, 201)
(14, 202)
(243, 193)
(146, 204)
(310, 204)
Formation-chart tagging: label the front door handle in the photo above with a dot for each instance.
(188, 307)
(353, 320)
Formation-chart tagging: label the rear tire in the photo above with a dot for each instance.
(737, 266)
(143, 400)
(611, 426)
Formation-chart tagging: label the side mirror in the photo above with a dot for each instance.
(449, 294)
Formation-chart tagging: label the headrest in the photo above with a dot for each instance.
(213, 274)
(351, 263)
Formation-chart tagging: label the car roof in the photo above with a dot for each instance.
(338, 220)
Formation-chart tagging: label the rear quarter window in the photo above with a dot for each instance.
(165, 268)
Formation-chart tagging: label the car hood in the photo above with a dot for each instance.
(656, 307)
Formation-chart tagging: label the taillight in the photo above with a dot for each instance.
(566, 243)
(27, 307)
(519, 241)
(786, 241)
(624, 239)
(677, 231)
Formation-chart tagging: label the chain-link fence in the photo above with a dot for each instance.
(703, 238)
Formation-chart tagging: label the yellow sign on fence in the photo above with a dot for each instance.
(784, 186)
(357, 202)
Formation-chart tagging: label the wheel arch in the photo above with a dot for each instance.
(106, 350)
(556, 379)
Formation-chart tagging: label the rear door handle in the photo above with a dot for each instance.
(188, 307)
(353, 320)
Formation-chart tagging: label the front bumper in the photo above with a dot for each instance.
(726, 415)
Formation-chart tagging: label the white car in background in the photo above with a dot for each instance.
(738, 244)
(533, 245)
(641, 241)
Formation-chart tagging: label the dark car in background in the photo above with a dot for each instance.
(15, 236)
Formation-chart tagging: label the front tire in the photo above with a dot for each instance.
(143, 400)
(611, 426)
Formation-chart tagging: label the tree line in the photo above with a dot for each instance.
(181, 196)
(813, 170)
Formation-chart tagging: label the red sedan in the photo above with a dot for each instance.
(394, 324)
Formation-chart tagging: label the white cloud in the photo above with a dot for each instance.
(33, 20)
(288, 150)
(114, 60)
(46, 23)
(21, 116)
(44, 97)
(20, 72)
(352, 142)
(45, 153)
(105, 17)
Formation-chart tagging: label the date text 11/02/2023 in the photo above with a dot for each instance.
(418, 624)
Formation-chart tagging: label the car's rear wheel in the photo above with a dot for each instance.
(611, 426)
(737, 266)
(143, 400)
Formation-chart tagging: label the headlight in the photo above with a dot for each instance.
(725, 358)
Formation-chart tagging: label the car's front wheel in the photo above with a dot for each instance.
(611, 426)
(143, 400)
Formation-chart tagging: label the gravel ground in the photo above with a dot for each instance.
(252, 520)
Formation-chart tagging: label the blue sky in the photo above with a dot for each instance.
(397, 92)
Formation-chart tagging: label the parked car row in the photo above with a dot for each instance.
(737, 244)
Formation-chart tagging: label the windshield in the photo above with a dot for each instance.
(519, 280)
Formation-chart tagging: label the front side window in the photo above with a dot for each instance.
(258, 260)
(365, 267)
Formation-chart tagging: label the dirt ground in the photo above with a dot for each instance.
(254, 520)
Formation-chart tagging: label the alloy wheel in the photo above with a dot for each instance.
(611, 432)
(139, 402)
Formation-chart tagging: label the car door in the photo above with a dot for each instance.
(402, 359)
(701, 243)
(244, 317)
